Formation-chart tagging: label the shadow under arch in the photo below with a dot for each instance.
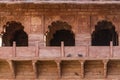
(60, 31)
(14, 31)
(104, 33)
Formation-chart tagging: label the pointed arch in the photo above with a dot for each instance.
(60, 31)
(104, 33)
(14, 31)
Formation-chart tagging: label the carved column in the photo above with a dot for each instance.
(12, 68)
(35, 68)
(58, 62)
(105, 62)
(82, 73)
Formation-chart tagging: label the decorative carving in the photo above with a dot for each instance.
(84, 24)
(36, 24)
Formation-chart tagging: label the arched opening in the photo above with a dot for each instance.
(63, 35)
(60, 31)
(104, 33)
(14, 31)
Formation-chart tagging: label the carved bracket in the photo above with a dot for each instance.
(105, 62)
(82, 62)
(35, 68)
(58, 62)
(12, 68)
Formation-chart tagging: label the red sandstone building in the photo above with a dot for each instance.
(89, 29)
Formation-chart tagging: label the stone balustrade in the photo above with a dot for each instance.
(76, 52)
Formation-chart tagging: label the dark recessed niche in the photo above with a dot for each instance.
(104, 33)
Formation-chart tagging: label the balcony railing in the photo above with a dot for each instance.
(63, 52)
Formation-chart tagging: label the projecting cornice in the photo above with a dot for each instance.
(63, 1)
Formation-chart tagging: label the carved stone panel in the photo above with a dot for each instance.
(36, 24)
(84, 24)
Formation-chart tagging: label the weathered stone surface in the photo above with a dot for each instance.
(37, 17)
(80, 62)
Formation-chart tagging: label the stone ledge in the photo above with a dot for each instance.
(62, 1)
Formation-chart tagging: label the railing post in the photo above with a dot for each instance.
(14, 49)
(87, 49)
(62, 49)
(111, 49)
(87, 55)
(37, 49)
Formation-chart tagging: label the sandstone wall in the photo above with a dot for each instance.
(37, 17)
